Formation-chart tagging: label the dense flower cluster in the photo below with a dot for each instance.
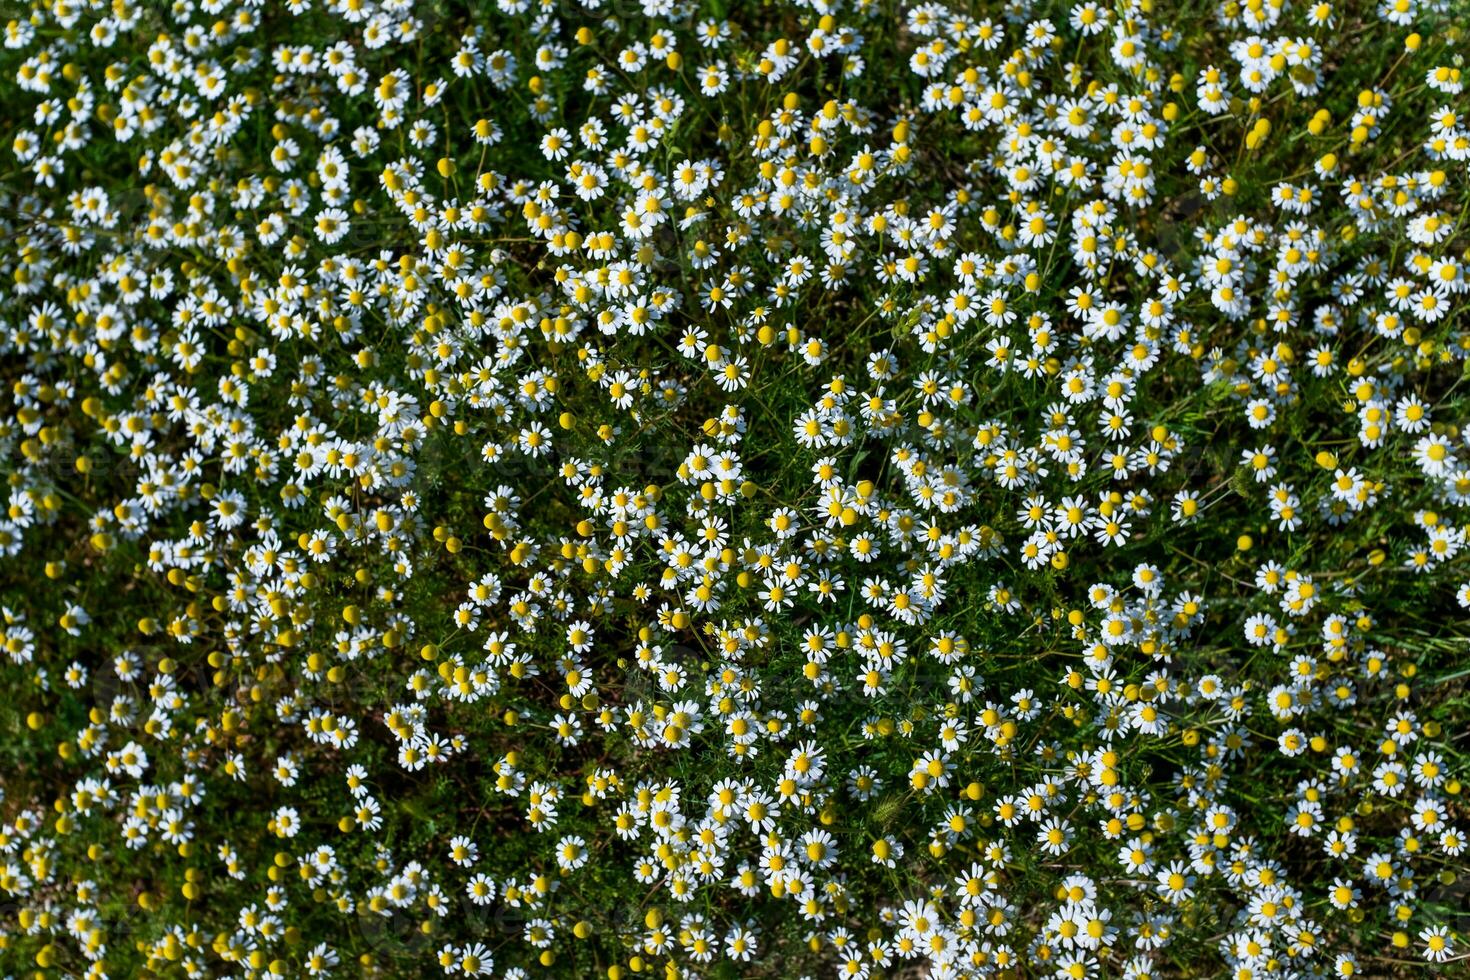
(826, 487)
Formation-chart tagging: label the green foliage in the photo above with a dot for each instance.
(733, 489)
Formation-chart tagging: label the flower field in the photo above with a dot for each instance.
(735, 488)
